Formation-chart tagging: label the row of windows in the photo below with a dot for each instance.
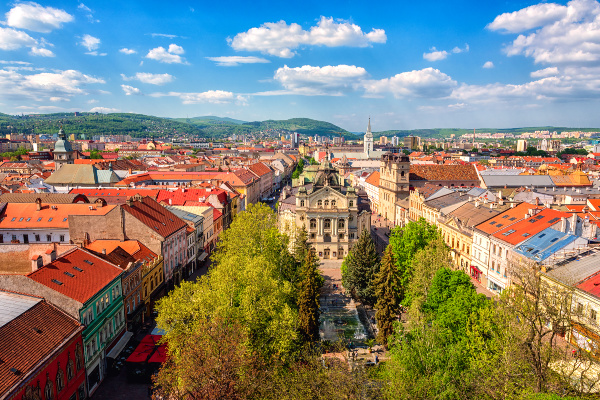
(327, 223)
(36, 237)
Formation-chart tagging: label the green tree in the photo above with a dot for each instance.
(405, 243)
(313, 161)
(301, 245)
(247, 284)
(308, 298)
(361, 268)
(387, 288)
(95, 155)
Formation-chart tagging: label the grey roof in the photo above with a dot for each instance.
(500, 181)
(577, 269)
(469, 215)
(12, 305)
(501, 172)
(81, 174)
(447, 200)
(569, 191)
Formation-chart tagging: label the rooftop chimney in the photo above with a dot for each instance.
(103, 251)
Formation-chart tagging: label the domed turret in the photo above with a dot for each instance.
(63, 150)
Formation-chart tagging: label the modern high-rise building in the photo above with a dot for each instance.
(521, 145)
(412, 142)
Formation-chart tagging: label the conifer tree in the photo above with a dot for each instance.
(308, 298)
(301, 245)
(360, 267)
(387, 288)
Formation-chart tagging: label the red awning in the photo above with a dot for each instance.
(146, 349)
(160, 355)
(475, 268)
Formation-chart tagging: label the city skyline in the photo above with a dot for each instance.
(408, 66)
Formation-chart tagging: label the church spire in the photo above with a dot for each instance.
(369, 126)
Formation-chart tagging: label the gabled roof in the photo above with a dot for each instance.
(373, 179)
(434, 172)
(469, 215)
(133, 247)
(32, 335)
(154, 216)
(81, 174)
(508, 217)
(520, 231)
(77, 274)
(260, 169)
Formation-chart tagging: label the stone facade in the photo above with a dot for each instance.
(393, 183)
(331, 211)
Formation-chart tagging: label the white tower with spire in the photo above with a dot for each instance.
(368, 140)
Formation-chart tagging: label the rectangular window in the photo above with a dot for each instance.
(48, 238)
(593, 315)
(62, 238)
(37, 238)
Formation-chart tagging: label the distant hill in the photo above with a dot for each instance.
(210, 118)
(440, 133)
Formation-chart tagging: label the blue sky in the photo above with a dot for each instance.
(407, 65)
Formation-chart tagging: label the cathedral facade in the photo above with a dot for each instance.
(333, 213)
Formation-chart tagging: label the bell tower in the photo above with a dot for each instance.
(394, 183)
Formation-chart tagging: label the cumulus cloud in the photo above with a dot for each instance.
(280, 39)
(210, 96)
(542, 73)
(34, 17)
(528, 18)
(130, 90)
(39, 51)
(45, 85)
(89, 42)
(488, 65)
(427, 83)
(104, 110)
(234, 61)
(564, 35)
(172, 55)
(12, 39)
(331, 80)
(125, 50)
(435, 55)
(153, 79)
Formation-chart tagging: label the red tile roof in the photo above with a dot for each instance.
(373, 179)
(112, 192)
(260, 169)
(181, 196)
(508, 217)
(155, 216)
(29, 338)
(591, 285)
(133, 247)
(433, 172)
(546, 218)
(83, 285)
(26, 215)
(216, 214)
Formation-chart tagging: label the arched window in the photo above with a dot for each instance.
(327, 223)
(341, 224)
(326, 203)
(60, 379)
(301, 203)
(402, 173)
(341, 235)
(350, 203)
(313, 223)
(332, 203)
(319, 203)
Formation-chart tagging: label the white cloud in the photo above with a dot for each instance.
(428, 83)
(104, 110)
(89, 42)
(170, 56)
(210, 96)
(435, 55)
(234, 61)
(457, 49)
(153, 79)
(92, 101)
(34, 17)
(12, 39)
(542, 73)
(4, 62)
(330, 80)
(528, 18)
(43, 86)
(280, 39)
(125, 50)
(38, 51)
(88, 12)
(566, 35)
(163, 35)
(174, 49)
(488, 65)
(130, 90)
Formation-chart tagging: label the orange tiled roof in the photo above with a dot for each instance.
(155, 216)
(133, 247)
(443, 172)
(260, 169)
(27, 216)
(373, 179)
(520, 231)
(95, 274)
(508, 217)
